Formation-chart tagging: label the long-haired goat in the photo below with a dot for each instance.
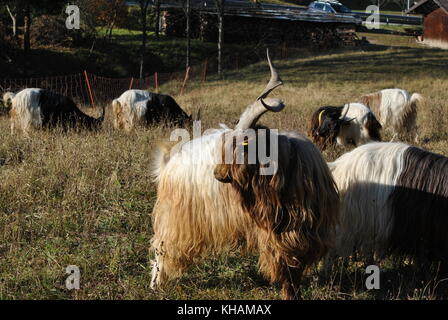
(352, 124)
(395, 109)
(141, 106)
(394, 200)
(34, 107)
(207, 206)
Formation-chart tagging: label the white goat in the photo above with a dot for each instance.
(396, 109)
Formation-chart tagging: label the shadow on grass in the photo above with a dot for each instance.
(368, 63)
(397, 281)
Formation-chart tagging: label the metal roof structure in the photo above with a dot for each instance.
(427, 6)
(267, 11)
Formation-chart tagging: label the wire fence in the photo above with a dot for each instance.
(89, 89)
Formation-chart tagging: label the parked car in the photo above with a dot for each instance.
(329, 7)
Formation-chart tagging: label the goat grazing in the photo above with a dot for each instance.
(395, 109)
(211, 205)
(394, 200)
(352, 124)
(141, 106)
(38, 108)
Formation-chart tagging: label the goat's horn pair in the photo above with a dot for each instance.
(274, 82)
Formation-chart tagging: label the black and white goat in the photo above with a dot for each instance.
(34, 107)
(144, 107)
(353, 124)
(396, 109)
(394, 201)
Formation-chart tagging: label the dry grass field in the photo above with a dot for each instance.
(85, 199)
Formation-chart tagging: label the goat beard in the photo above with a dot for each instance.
(276, 209)
(270, 200)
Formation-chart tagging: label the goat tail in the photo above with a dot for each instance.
(416, 97)
(161, 157)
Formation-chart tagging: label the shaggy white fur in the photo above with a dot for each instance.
(25, 110)
(130, 108)
(366, 177)
(289, 215)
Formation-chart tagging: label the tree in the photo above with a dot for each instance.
(220, 8)
(13, 15)
(26, 28)
(28, 9)
(144, 22)
(187, 9)
(110, 13)
(157, 22)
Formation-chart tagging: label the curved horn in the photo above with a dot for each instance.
(345, 113)
(251, 115)
(274, 82)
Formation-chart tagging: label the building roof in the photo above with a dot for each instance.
(427, 6)
(267, 11)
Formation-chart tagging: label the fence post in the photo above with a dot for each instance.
(187, 74)
(132, 82)
(204, 72)
(156, 80)
(90, 89)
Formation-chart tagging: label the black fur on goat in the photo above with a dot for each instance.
(59, 110)
(162, 107)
